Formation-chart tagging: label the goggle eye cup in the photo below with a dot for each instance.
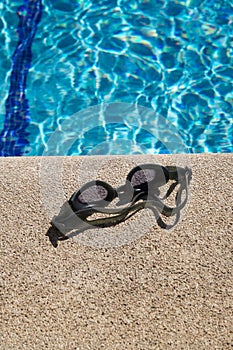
(141, 176)
(93, 193)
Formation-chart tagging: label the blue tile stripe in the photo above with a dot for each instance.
(13, 137)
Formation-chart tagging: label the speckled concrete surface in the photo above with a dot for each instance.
(162, 290)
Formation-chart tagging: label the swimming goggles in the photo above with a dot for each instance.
(141, 190)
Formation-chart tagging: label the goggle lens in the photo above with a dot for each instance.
(92, 194)
(141, 177)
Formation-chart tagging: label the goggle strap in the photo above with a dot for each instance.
(67, 219)
(113, 220)
(177, 173)
(126, 213)
(170, 190)
(163, 225)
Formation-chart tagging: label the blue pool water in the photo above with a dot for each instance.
(60, 58)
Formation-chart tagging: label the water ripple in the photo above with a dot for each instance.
(173, 57)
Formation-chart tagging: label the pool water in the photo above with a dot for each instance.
(173, 58)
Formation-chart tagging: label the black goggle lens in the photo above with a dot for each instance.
(92, 194)
(142, 175)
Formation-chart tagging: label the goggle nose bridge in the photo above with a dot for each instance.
(125, 193)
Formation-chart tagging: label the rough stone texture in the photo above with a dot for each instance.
(163, 290)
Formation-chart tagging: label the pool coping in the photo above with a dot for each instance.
(163, 289)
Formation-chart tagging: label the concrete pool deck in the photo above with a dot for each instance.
(159, 290)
